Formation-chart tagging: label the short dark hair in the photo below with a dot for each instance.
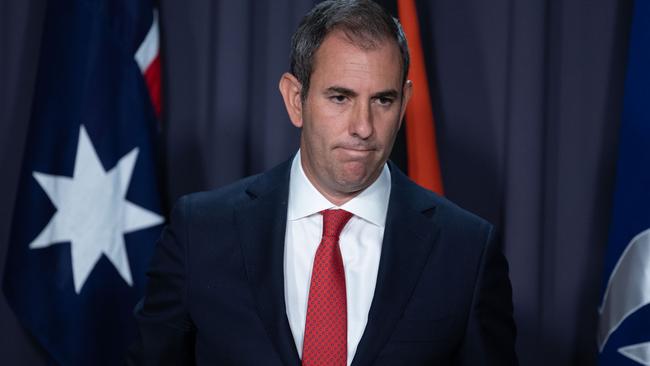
(364, 22)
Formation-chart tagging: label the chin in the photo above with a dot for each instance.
(353, 182)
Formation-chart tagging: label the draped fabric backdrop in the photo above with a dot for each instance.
(526, 95)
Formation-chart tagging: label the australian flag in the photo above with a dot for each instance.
(88, 213)
(624, 323)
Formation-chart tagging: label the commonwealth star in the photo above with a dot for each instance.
(92, 212)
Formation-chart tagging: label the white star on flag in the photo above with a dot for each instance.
(92, 212)
(637, 352)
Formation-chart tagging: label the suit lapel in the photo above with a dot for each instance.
(409, 236)
(261, 222)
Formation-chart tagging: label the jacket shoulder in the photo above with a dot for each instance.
(221, 201)
(216, 202)
(451, 213)
(426, 201)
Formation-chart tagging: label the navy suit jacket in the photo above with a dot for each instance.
(215, 294)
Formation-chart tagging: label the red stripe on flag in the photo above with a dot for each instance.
(152, 77)
(422, 150)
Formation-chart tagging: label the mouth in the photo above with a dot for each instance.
(357, 151)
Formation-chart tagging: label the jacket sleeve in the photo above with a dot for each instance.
(490, 334)
(166, 332)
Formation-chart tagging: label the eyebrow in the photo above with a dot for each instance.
(341, 90)
(391, 93)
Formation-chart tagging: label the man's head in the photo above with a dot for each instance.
(365, 23)
(348, 93)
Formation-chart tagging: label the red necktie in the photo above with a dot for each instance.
(326, 328)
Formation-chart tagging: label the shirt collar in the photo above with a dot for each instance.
(305, 200)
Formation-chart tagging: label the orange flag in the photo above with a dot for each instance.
(422, 150)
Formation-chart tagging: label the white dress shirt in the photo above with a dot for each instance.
(360, 243)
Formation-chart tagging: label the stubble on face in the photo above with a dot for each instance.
(351, 115)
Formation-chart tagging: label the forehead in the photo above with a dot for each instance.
(339, 60)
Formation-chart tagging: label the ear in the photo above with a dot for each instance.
(407, 91)
(290, 89)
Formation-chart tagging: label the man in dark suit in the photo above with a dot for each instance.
(334, 257)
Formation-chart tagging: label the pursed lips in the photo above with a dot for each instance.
(357, 150)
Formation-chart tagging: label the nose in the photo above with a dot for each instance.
(361, 124)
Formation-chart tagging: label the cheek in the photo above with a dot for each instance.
(325, 129)
(315, 140)
(315, 135)
(387, 128)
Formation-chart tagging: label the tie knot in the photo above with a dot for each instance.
(334, 221)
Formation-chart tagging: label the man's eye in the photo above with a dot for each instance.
(339, 99)
(385, 101)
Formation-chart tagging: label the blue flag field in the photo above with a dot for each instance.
(87, 214)
(624, 322)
